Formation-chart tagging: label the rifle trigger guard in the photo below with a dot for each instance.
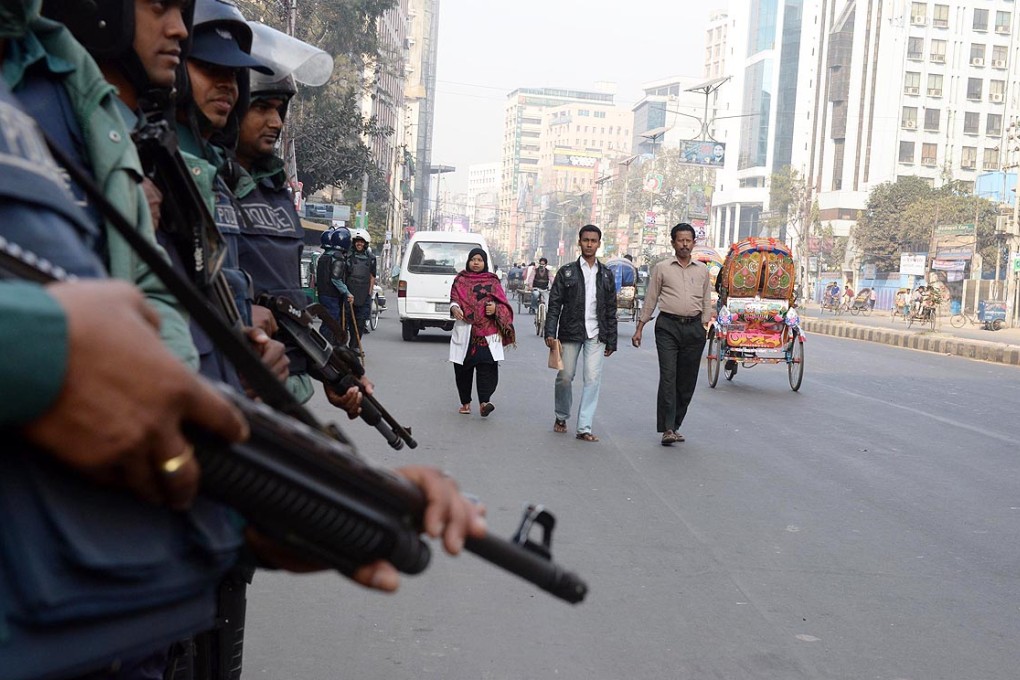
(536, 514)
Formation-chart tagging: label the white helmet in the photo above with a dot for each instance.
(362, 234)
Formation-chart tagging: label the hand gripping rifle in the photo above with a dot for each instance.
(296, 483)
(336, 366)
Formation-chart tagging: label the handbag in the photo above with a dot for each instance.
(556, 356)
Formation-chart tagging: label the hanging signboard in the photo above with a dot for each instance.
(913, 263)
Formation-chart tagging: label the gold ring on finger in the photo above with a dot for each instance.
(171, 466)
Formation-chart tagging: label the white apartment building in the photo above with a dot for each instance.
(716, 45)
(519, 172)
(923, 88)
(854, 93)
(669, 114)
(482, 199)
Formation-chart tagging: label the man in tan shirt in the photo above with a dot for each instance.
(681, 287)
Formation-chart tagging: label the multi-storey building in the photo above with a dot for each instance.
(854, 93)
(419, 97)
(914, 88)
(771, 83)
(668, 114)
(483, 199)
(716, 45)
(519, 172)
(386, 104)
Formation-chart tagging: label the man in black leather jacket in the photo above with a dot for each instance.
(582, 316)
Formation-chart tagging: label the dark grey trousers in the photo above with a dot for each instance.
(679, 346)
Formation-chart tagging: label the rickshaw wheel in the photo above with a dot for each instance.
(795, 363)
(713, 358)
(998, 324)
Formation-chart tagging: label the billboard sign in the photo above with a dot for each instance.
(707, 153)
(577, 160)
(327, 211)
(947, 265)
(913, 263)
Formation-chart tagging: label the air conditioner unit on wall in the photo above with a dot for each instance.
(999, 63)
(934, 91)
(995, 97)
(918, 19)
(910, 90)
(977, 61)
(910, 124)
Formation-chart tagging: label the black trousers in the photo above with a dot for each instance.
(679, 346)
(488, 378)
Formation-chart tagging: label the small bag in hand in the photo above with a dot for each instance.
(556, 356)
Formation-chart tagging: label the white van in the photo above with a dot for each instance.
(431, 260)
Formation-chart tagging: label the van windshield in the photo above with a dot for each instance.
(438, 257)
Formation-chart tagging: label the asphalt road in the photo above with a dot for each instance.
(865, 527)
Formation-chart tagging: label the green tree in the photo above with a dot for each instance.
(326, 122)
(883, 230)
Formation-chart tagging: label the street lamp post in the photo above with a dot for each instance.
(438, 171)
(1013, 162)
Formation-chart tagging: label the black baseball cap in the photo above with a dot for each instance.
(218, 45)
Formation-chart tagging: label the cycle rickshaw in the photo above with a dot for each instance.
(629, 287)
(862, 303)
(756, 322)
(714, 261)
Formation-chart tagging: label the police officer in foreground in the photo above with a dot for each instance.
(106, 554)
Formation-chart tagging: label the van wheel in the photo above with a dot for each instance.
(408, 330)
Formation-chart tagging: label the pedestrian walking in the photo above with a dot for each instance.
(681, 287)
(485, 324)
(582, 316)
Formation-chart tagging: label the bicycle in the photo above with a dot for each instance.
(378, 306)
(540, 312)
(962, 319)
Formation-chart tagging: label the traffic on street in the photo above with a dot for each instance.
(865, 526)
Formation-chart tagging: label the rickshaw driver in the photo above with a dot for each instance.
(831, 295)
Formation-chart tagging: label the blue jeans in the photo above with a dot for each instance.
(594, 354)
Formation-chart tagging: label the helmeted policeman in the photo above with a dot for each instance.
(331, 274)
(361, 273)
(271, 236)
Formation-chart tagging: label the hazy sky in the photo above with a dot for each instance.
(487, 49)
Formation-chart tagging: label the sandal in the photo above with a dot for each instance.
(560, 426)
(587, 437)
(464, 410)
(487, 408)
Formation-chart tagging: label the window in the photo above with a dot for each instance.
(999, 53)
(977, 54)
(990, 159)
(974, 88)
(1002, 22)
(911, 82)
(980, 20)
(993, 125)
(968, 157)
(908, 118)
(932, 117)
(915, 49)
(919, 13)
(971, 123)
(906, 152)
(934, 84)
(600, 114)
(583, 112)
(928, 153)
(940, 17)
(996, 91)
(938, 51)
